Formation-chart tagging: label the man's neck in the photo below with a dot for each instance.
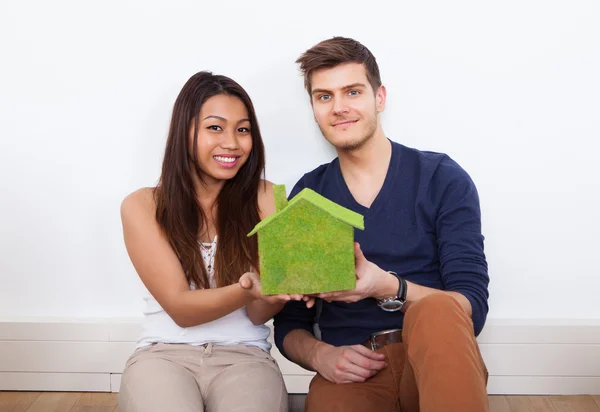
(370, 159)
(365, 168)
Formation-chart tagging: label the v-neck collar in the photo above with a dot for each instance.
(384, 191)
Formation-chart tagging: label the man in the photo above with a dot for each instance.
(404, 338)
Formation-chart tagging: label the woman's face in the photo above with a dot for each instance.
(224, 138)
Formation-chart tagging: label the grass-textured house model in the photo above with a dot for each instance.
(307, 246)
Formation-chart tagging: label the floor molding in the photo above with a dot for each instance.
(524, 357)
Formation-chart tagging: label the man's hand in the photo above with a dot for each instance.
(250, 281)
(310, 300)
(370, 280)
(346, 364)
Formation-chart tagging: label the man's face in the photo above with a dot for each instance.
(345, 106)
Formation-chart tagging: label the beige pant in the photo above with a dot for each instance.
(182, 378)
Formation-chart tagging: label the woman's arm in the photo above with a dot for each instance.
(266, 306)
(160, 270)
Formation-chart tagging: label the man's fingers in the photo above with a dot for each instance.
(331, 295)
(359, 367)
(350, 298)
(349, 364)
(275, 299)
(310, 301)
(353, 378)
(358, 254)
(368, 353)
(340, 297)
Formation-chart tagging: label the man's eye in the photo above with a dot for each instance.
(215, 128)
(324, 97)
(353, 92)
(244, 130)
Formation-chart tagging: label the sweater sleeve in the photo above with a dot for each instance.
(463, 263)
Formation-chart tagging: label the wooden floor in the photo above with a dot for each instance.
(107, 402)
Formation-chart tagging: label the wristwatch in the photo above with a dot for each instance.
(394, 303)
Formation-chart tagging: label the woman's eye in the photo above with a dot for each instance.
(244, 130)
(215, 128)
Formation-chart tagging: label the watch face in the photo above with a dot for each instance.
(392, 305)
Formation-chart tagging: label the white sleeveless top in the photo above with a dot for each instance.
(232, 329)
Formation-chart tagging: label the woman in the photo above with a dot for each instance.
(203, 345)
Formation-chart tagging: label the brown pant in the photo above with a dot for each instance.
(185, 378)
(436, 368)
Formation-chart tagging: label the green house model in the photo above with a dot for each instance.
(307, 246)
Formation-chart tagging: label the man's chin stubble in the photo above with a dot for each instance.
(352, 145)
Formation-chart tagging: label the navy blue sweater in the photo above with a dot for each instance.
(424, 224)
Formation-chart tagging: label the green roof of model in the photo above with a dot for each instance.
(283, 207)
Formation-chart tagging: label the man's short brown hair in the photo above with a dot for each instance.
(335, 51)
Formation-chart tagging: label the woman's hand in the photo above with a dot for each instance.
(251, 283)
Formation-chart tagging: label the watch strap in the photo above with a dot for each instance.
(402, 287)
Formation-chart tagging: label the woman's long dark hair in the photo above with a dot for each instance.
(178, 211)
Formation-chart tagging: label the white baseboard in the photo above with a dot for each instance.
(62, 382)
(534, 357)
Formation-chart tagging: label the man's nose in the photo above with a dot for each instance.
(340, 106)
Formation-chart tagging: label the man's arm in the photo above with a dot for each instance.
(417, 292)
(377, 283)
(385, 284)
(460, 249)
(300, 347)
(460, 246)
(344, 364)
(293, 317)
(463, 263)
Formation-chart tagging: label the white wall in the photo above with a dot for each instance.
(510, 89)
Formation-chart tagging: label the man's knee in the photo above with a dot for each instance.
(436, 313)
(324, 396)
(321, 400)
(435, 305)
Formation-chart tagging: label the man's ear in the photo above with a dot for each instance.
(380, 97)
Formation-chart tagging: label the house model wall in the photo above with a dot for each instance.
(307, 246)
